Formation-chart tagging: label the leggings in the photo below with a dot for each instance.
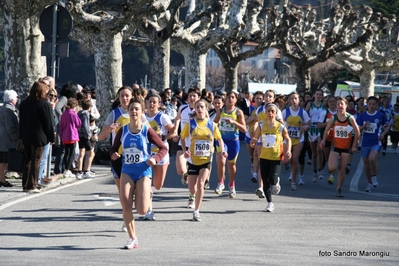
(305, 148)
(270, 171)
(69, 155)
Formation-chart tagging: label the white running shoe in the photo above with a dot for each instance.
(219, 188)
(88, 174)
(369, 187)
(149, 216)
(196, 217)
(270, 207)
(79, 175)
(191, 202)
(293, 186)
(276, 188)
(320, 175)
(374, 181)
(68, 173)
(232, 192)
(315, 176)
(132, 243)
(259, 192)
(124, 229)
(301, 181)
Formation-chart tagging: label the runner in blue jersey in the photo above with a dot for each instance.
(371, 123)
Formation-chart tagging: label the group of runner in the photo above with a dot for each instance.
(140, 131)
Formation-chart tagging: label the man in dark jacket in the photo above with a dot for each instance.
(36, 130)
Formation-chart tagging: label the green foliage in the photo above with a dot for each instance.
(385, 7)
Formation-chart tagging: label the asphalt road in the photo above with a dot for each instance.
(79, 223)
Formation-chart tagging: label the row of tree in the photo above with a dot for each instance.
(359, 39)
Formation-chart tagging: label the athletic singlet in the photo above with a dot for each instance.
(250, 126)
(373, 130)
(199, 136)
(327, 115)
(314, 113)
(342, 132)
(185, 112)
(122, 119)
(158, 123)
(294, 124)
(228, 131)
(272, 142)
(135, 151)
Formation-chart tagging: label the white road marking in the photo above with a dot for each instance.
(32, 196)
(108, 201)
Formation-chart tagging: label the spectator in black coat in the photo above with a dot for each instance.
(36, 129)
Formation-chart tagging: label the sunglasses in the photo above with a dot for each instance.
(53, 95)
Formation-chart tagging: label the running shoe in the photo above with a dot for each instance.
(132, 243)
(301, 181)
(191, 202)
(320, 175)
(149, 216)
(259, 192)
(276, 188)
(219, 188)
(124, 229)
(384, 152)
(339, 193)
(206, 185)
(68, 173)
(315, 176)
(374, 181)
(88, 174)
(232, 192)
(369, 187)
(254, 179)
(5, 184)
(79, 175)
(309, 162)
(331, 180)
(184, 179)
(196, 217)
(348, 169)
(270, 207)
(293, 186)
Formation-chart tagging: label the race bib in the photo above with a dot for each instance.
(294, 132)
(342, 132)
(224, 126)
(202, 148)
(268, 141)
(133, 156)
(371, 128)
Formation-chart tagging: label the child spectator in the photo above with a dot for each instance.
(85, 144)
(69, 125)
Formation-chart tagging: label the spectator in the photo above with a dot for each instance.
(9, 131)
(69, 125)
(36, 130)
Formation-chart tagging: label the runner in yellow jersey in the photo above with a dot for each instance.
(271, 133)
(197, 140)
(394, 130)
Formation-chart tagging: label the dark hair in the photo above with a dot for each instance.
(69, 90)
(372, 98)
(339, 98)
(86, 104)
(194, 89)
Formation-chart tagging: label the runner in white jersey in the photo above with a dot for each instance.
(182, 118)
(315, 109)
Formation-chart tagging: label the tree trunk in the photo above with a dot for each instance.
(303, 78)
(108, 66)
(22, 48)
(195, 64)
(160, 66)
(367, 82)
(231, 74)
